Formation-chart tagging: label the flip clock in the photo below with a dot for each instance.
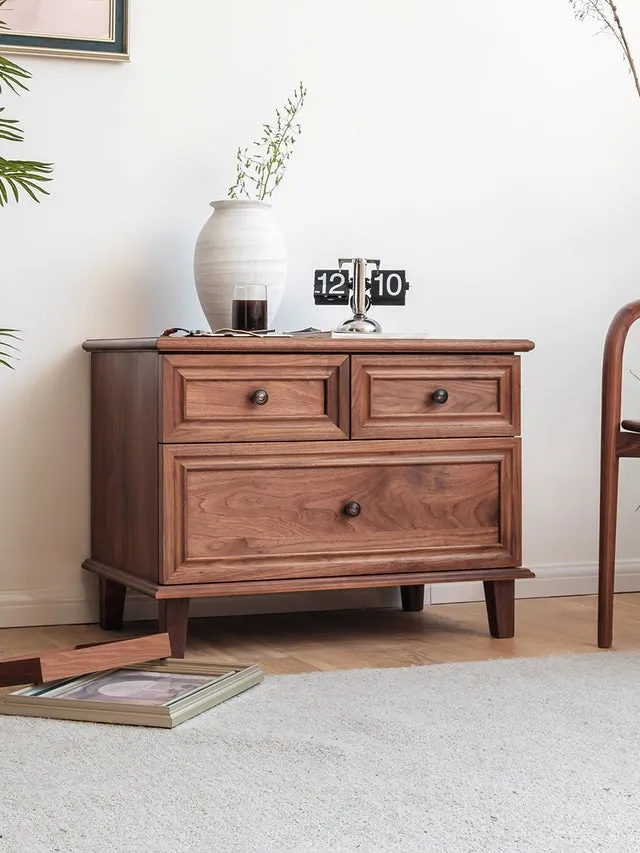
(350, 286)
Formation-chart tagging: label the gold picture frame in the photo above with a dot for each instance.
(161, 694)
(27, 39)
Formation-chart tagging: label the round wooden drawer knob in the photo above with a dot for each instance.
(260, 397)
(353, 509)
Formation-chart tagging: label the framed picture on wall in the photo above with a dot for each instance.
(83, 29)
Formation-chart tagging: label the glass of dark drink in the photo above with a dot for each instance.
(249, 308)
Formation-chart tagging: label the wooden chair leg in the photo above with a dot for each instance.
(174, 619)
(112, 598)
(500, 598)
(607, 557)
(412, 598)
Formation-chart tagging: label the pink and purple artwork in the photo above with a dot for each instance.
(85, 19)
(72, 27)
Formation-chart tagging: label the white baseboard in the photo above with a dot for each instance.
(549, 582)
(78, 605)
(24, 608)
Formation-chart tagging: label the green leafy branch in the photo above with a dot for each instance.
(7, 349)
(260, 172)
(605, 12)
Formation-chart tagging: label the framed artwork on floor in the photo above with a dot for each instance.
(163, 693)
(82, 29)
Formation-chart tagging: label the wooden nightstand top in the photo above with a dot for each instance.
(206, 344)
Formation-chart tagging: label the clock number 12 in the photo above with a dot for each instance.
(331, 287)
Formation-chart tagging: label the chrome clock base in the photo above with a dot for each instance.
(361, 325)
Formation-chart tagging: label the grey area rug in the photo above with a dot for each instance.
(510, 756)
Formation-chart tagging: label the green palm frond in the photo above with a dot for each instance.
(12, 76)
(10, 129)
(7, 349)
(23, 175)
(16, 176)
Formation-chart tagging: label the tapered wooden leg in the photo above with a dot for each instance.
(607, 559)
(500, 597)
(112, 597)
(174, 618)
(412, 597)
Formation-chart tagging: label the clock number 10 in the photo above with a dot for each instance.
(389, 285)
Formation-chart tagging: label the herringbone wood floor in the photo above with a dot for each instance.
(304, 642)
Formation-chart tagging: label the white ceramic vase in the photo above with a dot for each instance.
(239, 244)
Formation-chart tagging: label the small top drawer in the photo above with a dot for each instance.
(431, 396)
(257, 397)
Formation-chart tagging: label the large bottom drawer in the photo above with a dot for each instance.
(268, 511)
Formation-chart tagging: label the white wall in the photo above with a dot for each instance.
(490, 148)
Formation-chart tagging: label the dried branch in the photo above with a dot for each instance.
(605, 12)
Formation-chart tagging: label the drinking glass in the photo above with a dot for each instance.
(249, 308)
